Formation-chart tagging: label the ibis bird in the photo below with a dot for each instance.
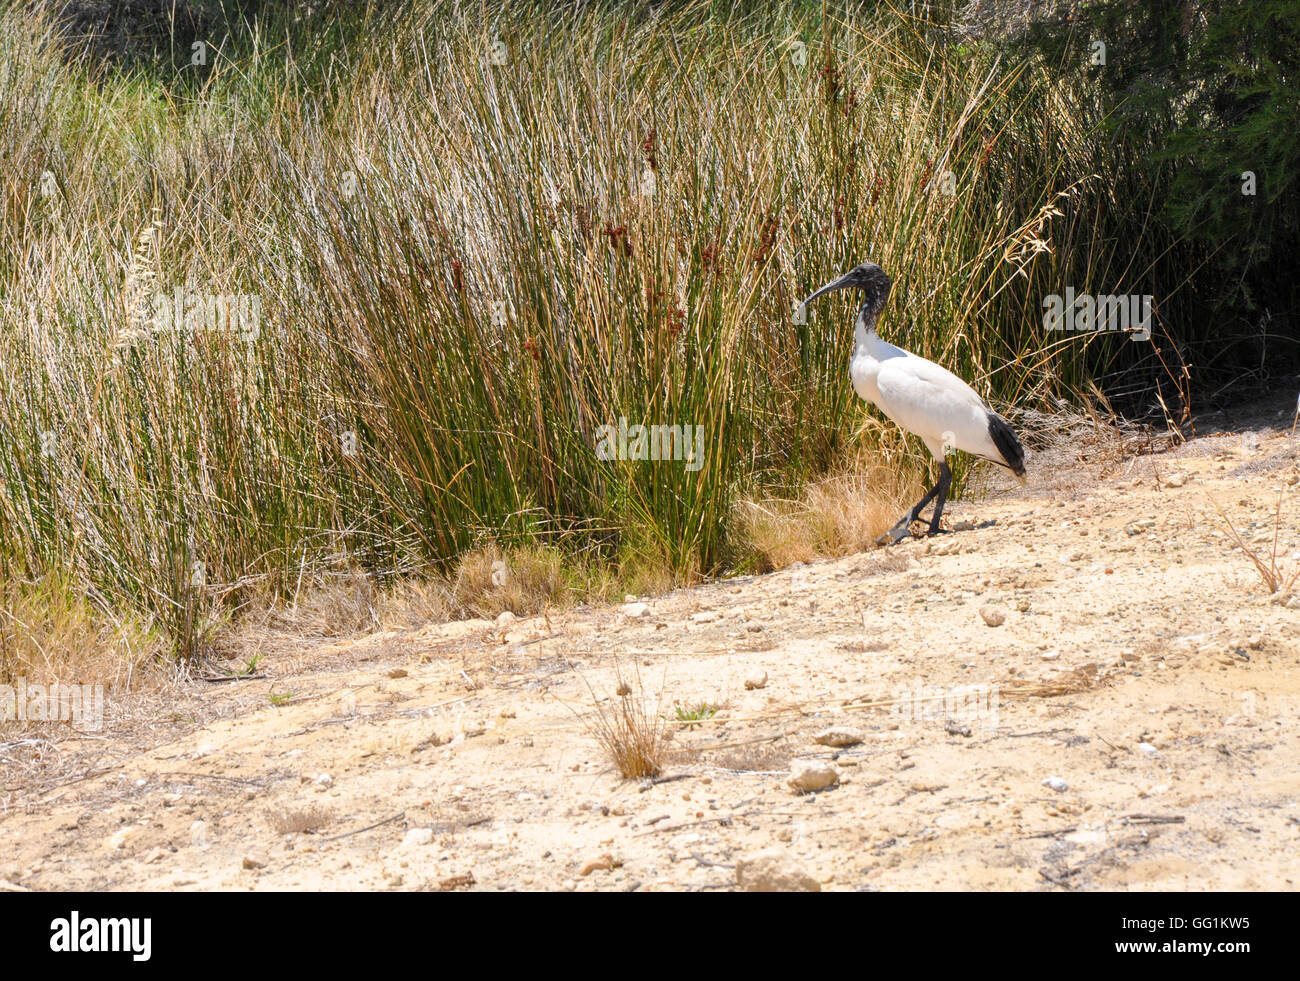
(922, 398)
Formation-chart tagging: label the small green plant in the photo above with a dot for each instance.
(694, 713)
(249, 669)
(283, 698)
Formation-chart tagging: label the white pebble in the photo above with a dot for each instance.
(416, 837)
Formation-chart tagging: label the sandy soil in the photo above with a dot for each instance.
(1139, 660)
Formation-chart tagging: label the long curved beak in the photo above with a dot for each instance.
(843, 283)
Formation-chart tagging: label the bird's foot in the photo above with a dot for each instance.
(936, 530)
(897, 533)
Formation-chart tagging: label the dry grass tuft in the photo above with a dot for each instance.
(838, 516)
(413, 603)
(760, 758)
(1277, 578)
(633, 737)
(299, 820)
(334, 606)
(488, 582)
(1081, 679)
(48, 632)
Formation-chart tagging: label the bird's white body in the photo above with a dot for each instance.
(921, 397)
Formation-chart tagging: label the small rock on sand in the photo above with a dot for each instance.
(993, 616)
(756, 681)
(1057, 784)
(839, 736)
(635, 611)
(809, 775)
(506, 618)
(121, 837)
(416, 837)
(773, 871)
(605, 863)
(254, 862)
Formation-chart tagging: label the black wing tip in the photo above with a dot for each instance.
(1004, 438)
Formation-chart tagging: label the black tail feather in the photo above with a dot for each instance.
(1013, 454)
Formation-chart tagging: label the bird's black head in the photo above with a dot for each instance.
(868, 277)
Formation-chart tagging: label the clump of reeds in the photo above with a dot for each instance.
(471, 247)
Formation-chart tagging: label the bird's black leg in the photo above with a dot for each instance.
(904, 527)
(945, 481)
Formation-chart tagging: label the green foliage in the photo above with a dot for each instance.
(689, 714)
(1204, 94)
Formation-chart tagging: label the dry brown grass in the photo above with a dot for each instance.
(1276, 578)
(49, 633)
(633, 736)
(758, 758)
(299, 820)
(488, 582)
(415, 602)
(838, 516)
(333, 606)
(484, 584)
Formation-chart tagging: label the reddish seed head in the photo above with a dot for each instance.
(617, 238)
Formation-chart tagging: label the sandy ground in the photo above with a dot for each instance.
(1139, 661)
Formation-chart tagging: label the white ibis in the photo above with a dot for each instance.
(921, 398)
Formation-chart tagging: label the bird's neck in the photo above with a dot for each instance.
(865, 331)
